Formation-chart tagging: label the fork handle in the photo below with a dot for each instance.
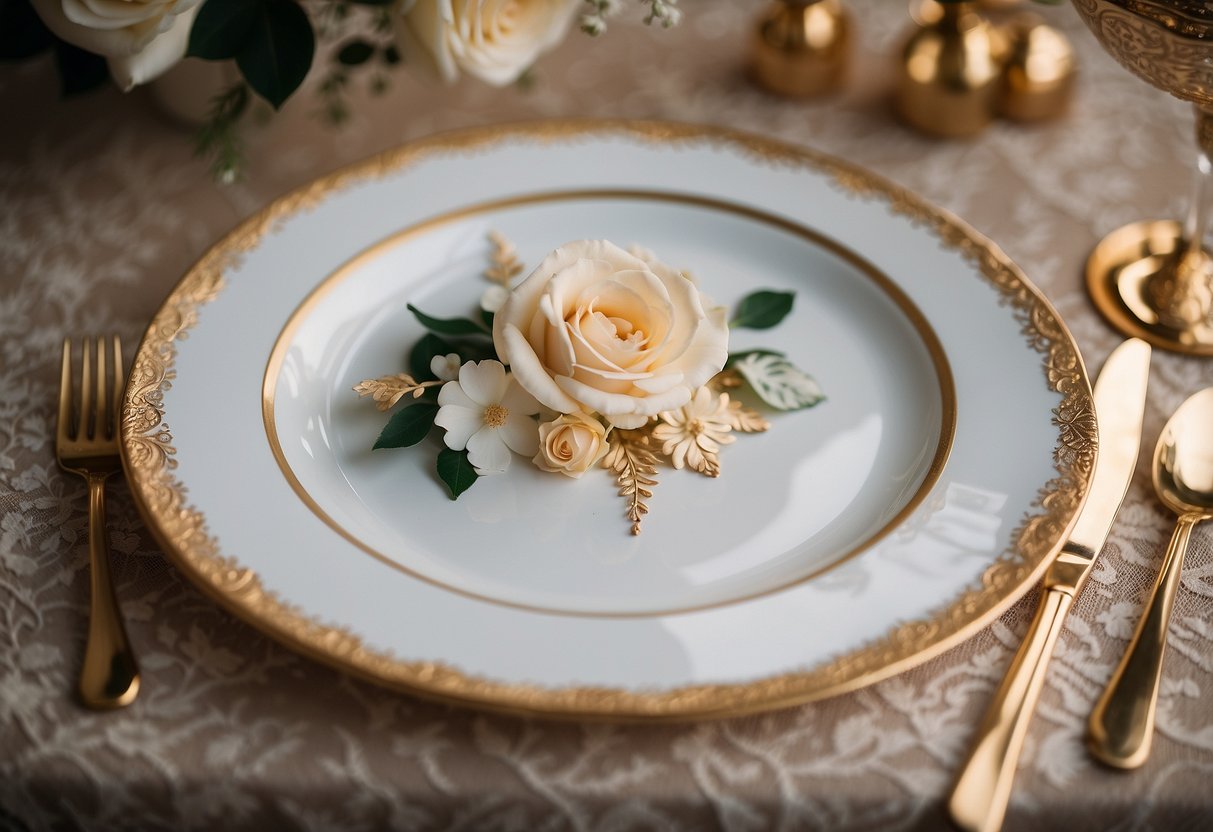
(979, 798)
(110, 676)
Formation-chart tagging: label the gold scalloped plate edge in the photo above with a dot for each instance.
(180, 528)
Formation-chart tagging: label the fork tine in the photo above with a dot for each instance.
(119, 385)
(63, 430)
(86, 389)
(102, 418)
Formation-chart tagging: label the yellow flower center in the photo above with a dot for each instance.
(494, 415)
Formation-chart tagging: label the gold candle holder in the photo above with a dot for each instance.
(950, 71)
(801, 47)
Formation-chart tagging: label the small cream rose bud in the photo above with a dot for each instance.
(571, 444)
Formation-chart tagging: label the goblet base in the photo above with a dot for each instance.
(1132, 275)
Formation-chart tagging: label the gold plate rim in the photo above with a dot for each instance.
(180, 529)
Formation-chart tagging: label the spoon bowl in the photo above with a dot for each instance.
(1183, 460)
(1122, 723)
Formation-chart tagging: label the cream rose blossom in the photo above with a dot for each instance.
(141, 38)
(571, 444)
(596, 329)
(493, 40)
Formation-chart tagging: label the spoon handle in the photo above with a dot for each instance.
(1122, 724)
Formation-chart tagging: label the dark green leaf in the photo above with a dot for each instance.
(734, 357)
(222, 28)
(762, 309)
(456, 471)
(408, 426)
(487, 317)
(422, 354)
(22, 33)
(448, 326)
(355, 52)
(79, 71)
(278, 53)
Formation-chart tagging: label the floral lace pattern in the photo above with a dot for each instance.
(102, 208)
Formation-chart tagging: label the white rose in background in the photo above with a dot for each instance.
(141, 38)
(596, 329)
(493, 40)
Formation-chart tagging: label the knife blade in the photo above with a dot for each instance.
(979, 799)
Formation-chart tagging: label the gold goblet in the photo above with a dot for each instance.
(1153, 279)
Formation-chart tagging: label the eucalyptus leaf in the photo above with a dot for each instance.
(448, 326)
(407, 426)
(762, 309)
(456, 471)
(278, 53)
(779, 383)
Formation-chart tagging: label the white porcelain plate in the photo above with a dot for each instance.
(850, 541)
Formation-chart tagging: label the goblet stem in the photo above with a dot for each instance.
(1198, 211)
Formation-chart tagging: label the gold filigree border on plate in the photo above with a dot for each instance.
(181, 529)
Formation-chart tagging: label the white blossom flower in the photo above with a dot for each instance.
(489, 414)
(445, 367)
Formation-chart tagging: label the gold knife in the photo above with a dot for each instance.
(979, 798)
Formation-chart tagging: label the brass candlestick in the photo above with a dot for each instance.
(950, 71)
(1153, 279)
(801, 47)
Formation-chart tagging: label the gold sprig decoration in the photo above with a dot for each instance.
(505, 265)
(636, 467)
(386, 391)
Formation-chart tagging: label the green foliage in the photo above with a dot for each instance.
(271, 41)
(762, 309)
(456, 471)
(22, 33)
(408, 426)
(219, 138)
(448, 326)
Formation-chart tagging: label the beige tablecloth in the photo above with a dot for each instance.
(102, 207)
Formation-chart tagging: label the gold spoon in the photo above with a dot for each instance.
(1122, 724)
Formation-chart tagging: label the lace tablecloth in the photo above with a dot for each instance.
(102, 208)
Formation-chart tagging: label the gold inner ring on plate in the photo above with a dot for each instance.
(882, 281)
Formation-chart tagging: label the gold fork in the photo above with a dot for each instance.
(86, 443)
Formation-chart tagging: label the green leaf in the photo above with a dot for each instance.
(408, 426)
(22, 33)
(278, 53)
(355, 52)
(422, 355)
(448, 326)
(734, 357)
(222, 28)
(762, 309)
(779, 383)
(487, 317)
(456, 471)
(79, 71)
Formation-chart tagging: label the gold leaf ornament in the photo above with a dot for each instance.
(504, 263)
(692, 435)
(636, 466)
(386, 391)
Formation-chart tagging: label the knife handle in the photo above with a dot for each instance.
(979, 798)
(1122, 724)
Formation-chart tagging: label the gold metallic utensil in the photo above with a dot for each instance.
(1153, 279)
(979, 798)
(1122, 724)
(86, 443)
